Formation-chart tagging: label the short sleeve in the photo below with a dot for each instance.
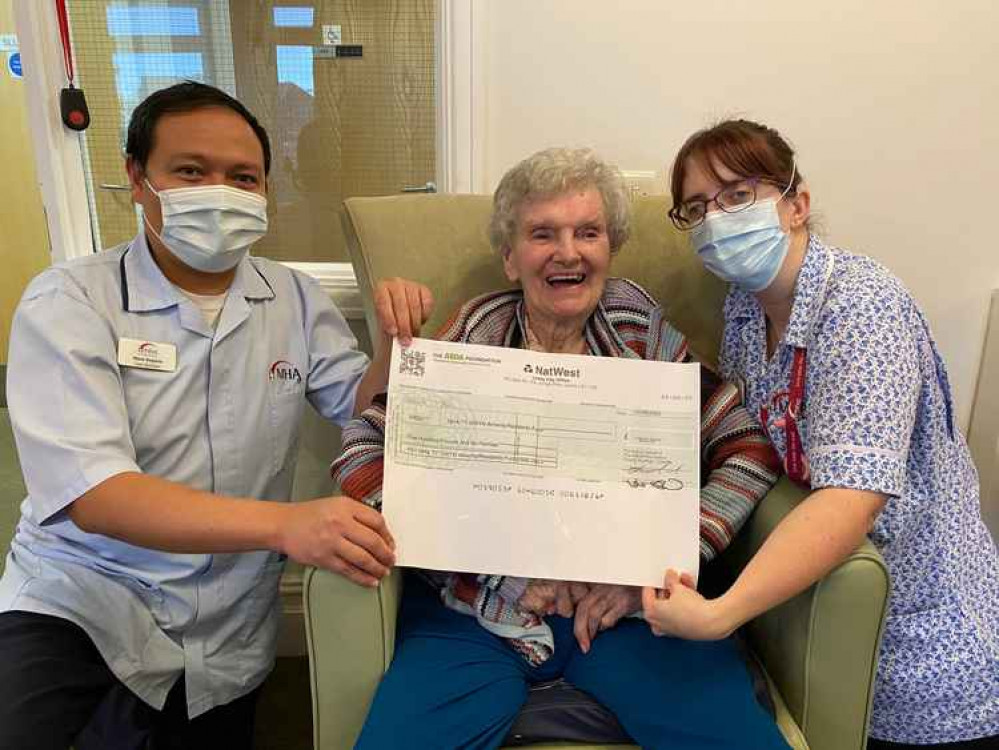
(862, 389)
(64, 392)
(336, 365)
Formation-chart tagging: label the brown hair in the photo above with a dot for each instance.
(747, 148)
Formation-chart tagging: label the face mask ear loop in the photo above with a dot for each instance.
(149, 226)
(145, 219)
(790, 184)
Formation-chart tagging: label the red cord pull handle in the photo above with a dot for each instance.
(72, 102)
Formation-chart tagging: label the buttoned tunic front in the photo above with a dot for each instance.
(225, 419)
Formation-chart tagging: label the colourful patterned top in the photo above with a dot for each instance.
(739, 465)
(877, 416)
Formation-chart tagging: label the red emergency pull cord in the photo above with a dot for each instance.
(67, 52)
(72, 103)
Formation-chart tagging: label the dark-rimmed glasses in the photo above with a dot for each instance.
(731, 198)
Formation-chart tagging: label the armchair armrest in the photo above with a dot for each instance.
(821, 647)
(350, 631)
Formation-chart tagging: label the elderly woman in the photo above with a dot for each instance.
(840, 365)
(469, 646)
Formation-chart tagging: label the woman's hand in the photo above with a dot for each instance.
(538, 598)
(601, 608)
(678, 610)
(544, 597)
(402, 307)
(810, 541)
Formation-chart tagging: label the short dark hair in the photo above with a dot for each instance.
(183, 97)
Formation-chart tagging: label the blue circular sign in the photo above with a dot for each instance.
(14, 65)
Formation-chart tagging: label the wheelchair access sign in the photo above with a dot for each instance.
(14, 65)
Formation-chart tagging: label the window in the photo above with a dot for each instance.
(339, 126)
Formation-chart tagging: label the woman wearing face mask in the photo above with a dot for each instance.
(839, 365)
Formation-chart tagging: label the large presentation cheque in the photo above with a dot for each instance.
(567, 467)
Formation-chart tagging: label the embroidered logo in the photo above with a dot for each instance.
(285, 377)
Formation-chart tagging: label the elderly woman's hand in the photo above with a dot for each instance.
(402, 306)
(601, 608)
(543, 597)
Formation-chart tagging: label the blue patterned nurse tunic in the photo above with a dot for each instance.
(878, 416)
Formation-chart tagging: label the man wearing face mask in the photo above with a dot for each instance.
(155, 392)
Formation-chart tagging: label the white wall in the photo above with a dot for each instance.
(892, 105)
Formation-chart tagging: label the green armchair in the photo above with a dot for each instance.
(818, 651)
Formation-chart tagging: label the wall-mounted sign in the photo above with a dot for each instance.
(332, 34)
(14, 65)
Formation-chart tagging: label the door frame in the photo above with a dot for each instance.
(460, 104)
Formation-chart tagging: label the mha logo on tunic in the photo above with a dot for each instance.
(285, 376)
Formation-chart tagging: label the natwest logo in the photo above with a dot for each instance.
(555, 371)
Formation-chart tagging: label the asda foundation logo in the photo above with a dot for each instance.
(285, 377)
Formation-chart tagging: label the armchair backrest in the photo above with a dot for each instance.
(442, 241)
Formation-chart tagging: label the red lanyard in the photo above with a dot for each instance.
(67, 52)
(72, 103)
(795, 462)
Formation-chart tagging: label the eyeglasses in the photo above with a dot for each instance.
(732, 198)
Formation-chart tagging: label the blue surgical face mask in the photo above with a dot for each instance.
(210, 227)
(745, 248)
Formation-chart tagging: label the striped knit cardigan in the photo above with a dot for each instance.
(738, 467)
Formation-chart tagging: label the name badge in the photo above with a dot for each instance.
(147, 355)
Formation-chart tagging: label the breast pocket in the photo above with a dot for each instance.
(285, 418)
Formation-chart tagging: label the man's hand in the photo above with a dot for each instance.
(342, 535)
(544, 597)
(403, 307)
(601, 608)
(678, 610)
